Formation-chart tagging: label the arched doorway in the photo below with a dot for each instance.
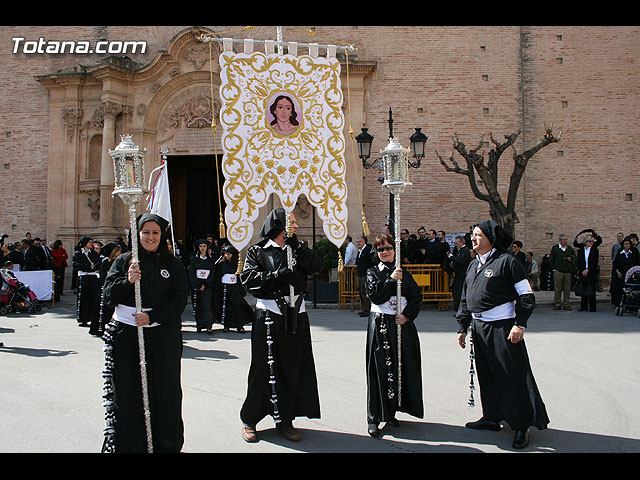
(194, 196)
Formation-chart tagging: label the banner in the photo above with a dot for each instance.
(282, 134)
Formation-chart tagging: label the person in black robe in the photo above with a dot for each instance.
(497, 301)
(202, 281)
(110, 252)
(233, 309)
(459, 261)
(626, 258)
(282, 379)
(383, 397)
(164, 290)
(87, 263)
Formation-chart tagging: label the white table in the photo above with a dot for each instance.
(39, 281)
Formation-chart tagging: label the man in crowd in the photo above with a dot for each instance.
(363, 262)
(563, 262)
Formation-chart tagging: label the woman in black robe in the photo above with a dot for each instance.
(497, 301)
(164, 290)
(111, 251)
(626, 258)
(382, 341)
(282, 376)
(87, 264)
(202, 281)
(233, 309)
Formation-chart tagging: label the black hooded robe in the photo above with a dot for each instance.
(201, 274)
(232, 308)
(89, 287)
(164, 289)
(508, 389)
(382, 348)
(287, 360)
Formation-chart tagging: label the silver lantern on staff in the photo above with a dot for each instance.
(128, 168)
(395, 161)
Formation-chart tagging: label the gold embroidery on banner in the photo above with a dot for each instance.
(260, 160)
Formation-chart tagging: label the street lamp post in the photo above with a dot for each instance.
(395, 165)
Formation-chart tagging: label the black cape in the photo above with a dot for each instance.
(89, 289)
(382, 348)
(164, 289)
(508, 389)
(293, 369)
(202, 299)
(232, 308)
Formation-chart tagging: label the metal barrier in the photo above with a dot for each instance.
(348, 287)
(431, 279)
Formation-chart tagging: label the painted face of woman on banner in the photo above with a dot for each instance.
(285, 116)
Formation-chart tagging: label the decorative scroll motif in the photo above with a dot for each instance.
(283, 134)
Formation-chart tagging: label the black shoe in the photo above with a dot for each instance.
(484, 424)
(394, 421)
(373, 430)
(521, 439)
(363, 314)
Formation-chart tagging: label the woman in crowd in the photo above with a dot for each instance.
(233, 309)
(626, 258)
(201, 280)
(87, 263)
(60, 256)
(497, 301)
(383, 397)
(163, 287)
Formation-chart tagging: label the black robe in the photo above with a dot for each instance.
(382, 348)
(89, 289)
(508, 389)
(232, 308)
(164, 289)
(294, 392)
(106, 312)
(202, 299)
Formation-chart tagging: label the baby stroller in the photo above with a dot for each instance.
(630, 292)
(15, 296)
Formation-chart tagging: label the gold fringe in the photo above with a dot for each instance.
(365, 226)
(340, 262)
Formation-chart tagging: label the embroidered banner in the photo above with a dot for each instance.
(282, 134)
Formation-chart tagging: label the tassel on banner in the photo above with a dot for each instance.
(472, 386)
(340, 262)
(240, 265)
(365, 226)
(221, 227)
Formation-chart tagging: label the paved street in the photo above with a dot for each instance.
(586, 366)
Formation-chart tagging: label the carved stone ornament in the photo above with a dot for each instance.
(71, 118)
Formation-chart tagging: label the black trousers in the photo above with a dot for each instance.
(508, 390)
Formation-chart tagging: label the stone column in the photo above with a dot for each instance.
(109, 142)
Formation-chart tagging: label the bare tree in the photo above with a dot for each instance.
(503, 213)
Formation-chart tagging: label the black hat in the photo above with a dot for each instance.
(497, 235)
(152, 217)
(230, 249)
(108, 248)
(274, 224)
(82, 242)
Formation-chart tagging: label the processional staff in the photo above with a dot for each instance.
(129, 186)
(396, 177)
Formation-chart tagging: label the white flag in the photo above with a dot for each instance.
(159, 199)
